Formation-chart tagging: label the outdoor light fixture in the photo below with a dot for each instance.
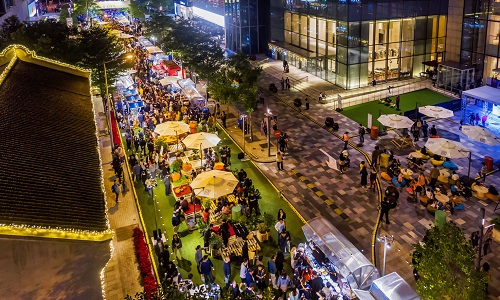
(387, 240)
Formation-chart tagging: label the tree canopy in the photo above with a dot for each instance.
(444, 260)
(89, 49)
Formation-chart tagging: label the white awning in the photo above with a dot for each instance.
(153, 50)
(391, 286)
(485, 93)
(112, 4)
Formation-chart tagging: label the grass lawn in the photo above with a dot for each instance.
(359, 113)
(270, 203)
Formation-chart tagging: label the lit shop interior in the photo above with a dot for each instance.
(353, 54)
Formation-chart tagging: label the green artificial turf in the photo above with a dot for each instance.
(269, 203)
(359, 113)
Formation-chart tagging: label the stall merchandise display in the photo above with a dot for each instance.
(325, 269)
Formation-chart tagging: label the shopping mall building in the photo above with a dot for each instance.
(353, 42)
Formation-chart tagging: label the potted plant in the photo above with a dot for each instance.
(216, 244)
(262, 232)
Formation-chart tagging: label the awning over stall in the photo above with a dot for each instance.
(153, 50)
(185, 82)
(484, 93)
(350, 262)
(389, 287)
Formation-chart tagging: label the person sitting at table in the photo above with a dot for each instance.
(442, 189)
(399, 181)
(430, 194)
(418, 184)
(393, 169)
(227, 209)
(423, 150)
(457, 188)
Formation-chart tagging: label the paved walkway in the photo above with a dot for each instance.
(121, 275)
(317, 190)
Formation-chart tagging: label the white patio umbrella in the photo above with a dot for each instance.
(480, 134)
(435, 111)
(395, 121)
(214, 184)
(171, 128)
(447, 148)
(201, 140)
(450, 149)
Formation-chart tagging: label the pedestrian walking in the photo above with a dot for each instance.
(176, 221)
(397, 101)
(206, 267)
(198, 257)
(425, 129)
(177, 245)
(271, 266)
(243, 269)
(373, 179)
(116, 188)
(376, 156)
(282, 241)
(223, 118)
(166, 182)
(472, 117)
(279, 226)
(287, 83)
(364, 175)
(260, 277)
(283, 282)
(346, 139)
(279, 261)
(282, 83)
(433, 131)
(361, 132)
(279, 160)
(227, 270)
(306, 101)
(477, 118)
(385, 206)
(484, 119)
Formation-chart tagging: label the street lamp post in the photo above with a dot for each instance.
(269, 116)
(481, 235)
(110, 103)
(387, 240)
(244, 117)
(110, 106)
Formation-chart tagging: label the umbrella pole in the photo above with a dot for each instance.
(201, 157)
(177, 140)
(470, 159)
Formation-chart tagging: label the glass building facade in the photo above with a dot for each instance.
(353, 42)
(480, 36)
(247, 25)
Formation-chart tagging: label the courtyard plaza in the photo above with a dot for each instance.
(343, 194)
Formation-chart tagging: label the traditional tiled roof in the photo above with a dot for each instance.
(50, 173)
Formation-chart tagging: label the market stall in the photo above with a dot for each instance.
(185, 82)
(166, 68)
(329, 252)
(389, 287)
(193, 95)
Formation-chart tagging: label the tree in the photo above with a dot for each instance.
(49, 39)
(98, 46)
(9, 26)
(444, 260)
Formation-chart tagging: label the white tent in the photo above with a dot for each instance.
(391, 286)
(112, 4)
(153, 50)
(349, 261)
(485, 93)
(185, 82)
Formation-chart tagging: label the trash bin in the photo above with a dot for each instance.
(192, 126)
(384, 160)
(374, 132)
(488, 161)
(236, 212)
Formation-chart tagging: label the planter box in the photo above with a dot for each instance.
(262, 237)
